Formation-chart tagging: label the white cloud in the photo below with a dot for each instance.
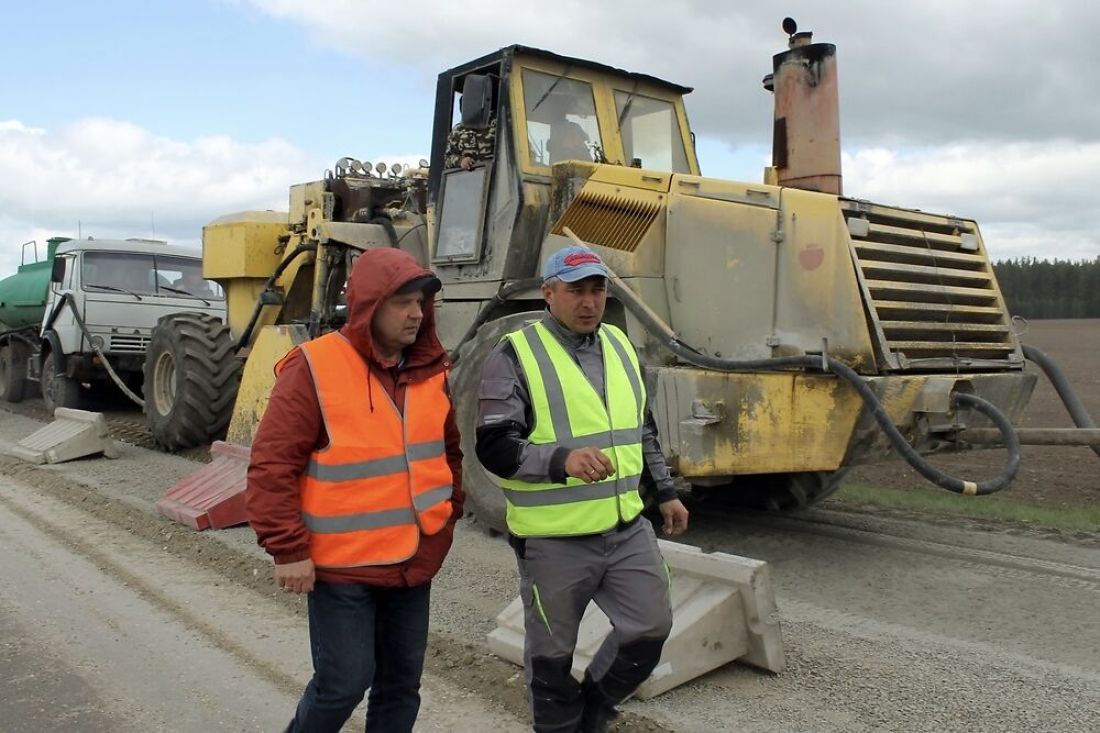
(1033, 199)
(924, 72)
(119, 180)
(982, 109)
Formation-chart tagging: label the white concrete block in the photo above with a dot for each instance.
(723, 610)
(73, 434)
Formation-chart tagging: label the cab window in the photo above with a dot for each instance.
(651, 132)
(561, 119)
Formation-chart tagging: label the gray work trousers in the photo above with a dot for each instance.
(624, 573)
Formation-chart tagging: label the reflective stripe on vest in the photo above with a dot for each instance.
(579, 421)
(383, 478)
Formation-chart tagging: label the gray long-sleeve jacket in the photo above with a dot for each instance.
(505, 418)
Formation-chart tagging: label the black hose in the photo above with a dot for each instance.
(68, 299)
(1073, 403)
(502, 294)
(386, 223)
(247, 333)
(845, 372)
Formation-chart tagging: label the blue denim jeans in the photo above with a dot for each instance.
(364, 637)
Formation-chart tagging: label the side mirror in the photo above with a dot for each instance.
(477, 101)
(57, 272)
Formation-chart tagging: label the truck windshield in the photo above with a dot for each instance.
(561, 119)
(651, 132)
(148, 274)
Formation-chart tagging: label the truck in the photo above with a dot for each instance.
(80, 321)
(789, 331)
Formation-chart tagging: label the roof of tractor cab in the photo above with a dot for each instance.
(509, 52)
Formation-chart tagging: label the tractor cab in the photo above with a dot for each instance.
(555, 118)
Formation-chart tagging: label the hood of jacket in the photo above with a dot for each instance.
(377, 274)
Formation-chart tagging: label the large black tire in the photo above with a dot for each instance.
(13, 371)
(778, 492)
(483, 497)
(191, 379)
(58, 389)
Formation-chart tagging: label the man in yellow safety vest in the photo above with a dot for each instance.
(565, 426)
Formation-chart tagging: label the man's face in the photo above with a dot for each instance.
(397, 321)
(579, 305)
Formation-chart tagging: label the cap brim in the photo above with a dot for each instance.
(429, 284)
(580, 272)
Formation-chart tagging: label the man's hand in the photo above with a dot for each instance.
(589, 465)
(295, 577)
(467, 163)
(675, 515)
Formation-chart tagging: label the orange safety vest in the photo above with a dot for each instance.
(383, 479)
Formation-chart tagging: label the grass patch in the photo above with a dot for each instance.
(1082, 518)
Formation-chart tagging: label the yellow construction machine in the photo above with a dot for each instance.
(789, 331)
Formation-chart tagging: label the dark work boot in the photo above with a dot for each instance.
(599, 711)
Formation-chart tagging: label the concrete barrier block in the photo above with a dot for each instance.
(73, 434)
(213, 496)
(723, 610)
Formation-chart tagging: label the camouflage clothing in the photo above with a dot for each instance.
(466, 143)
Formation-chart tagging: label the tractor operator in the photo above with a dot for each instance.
(565, 427)
(354, 488)
(468, 145)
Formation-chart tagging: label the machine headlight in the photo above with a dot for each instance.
(97, 343)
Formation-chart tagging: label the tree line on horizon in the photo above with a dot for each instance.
(1035, 288)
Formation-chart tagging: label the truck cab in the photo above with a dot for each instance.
(104, 298)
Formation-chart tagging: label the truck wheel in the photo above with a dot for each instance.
(483, 496)
(191, 377)
(13, 371)
(58, 389)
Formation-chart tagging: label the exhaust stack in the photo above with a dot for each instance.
(806, 135)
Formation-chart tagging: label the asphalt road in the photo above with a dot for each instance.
(102, 629)
(83, 651)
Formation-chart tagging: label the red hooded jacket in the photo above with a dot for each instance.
(293, 427)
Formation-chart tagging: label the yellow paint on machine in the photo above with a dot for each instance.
(271, 344)
(239, 252)
(744, 423)
(757, 423)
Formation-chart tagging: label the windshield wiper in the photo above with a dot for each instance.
(188, 293)
(553, 86)
(627, 104)
(112, 287)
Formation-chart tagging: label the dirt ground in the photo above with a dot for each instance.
(888, 624)
(1049, 476)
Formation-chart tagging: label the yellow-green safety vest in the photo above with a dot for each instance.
(581, 420)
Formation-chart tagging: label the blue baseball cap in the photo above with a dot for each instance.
(572, 264)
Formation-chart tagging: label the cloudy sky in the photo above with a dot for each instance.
(132, 118)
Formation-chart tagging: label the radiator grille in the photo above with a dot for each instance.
(610, 221)
(930, 290)
(128, 343)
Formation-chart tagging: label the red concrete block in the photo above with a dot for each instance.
(213, 496)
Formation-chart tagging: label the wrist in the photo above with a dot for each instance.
(557, 466)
